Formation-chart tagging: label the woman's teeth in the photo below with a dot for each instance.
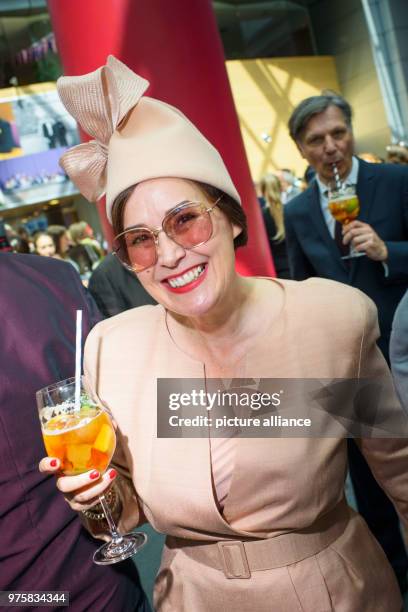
(186, 278)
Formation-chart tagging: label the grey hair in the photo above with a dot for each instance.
(313, 106)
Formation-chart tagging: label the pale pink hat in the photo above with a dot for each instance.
(136, 137)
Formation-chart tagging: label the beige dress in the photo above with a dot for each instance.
(278, 485)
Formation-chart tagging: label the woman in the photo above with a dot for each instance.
(252, 524)
(75, 255)
(44, 244)
(273, 218)
(62, 241)
(82, 235)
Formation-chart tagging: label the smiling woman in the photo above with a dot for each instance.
(252, 524)
(191, 224)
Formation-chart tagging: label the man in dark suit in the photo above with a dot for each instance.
(321, 128)
(43, 545)
(115, 289)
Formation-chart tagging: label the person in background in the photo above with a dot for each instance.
(82, 233)
(397, 154)
(86, 254)
(272, 214)
(321, 127)
(115, 289)
(17, 243)
(289, 185)
(23, 233)
(65, 250)
(43, 545)
(44, 244)
(62, 241)
(399, 350)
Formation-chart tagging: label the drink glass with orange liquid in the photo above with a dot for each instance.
(83, 438)
(344, 206)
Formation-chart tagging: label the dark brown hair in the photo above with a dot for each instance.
(315, 105)
(231, 209)
(56, 232)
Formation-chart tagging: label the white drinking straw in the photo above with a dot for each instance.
(78, 347)
(337, 177)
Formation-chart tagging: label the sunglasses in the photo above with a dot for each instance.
(189, 225)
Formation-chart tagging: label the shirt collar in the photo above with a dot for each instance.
(351, 178)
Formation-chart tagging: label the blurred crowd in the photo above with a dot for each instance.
(26, 181)
(75, 244)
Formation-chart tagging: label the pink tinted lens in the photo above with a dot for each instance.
(138, 249)
(189, 226)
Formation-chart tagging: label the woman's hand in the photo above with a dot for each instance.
(83, 490)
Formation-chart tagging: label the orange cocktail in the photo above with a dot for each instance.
(78, 431)
(344, 207)
(82, 440)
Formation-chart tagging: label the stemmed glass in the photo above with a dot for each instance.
(344, 206)
(84, 439)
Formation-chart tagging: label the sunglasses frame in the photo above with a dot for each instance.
(156, 231)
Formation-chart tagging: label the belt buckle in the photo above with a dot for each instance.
(234, 561)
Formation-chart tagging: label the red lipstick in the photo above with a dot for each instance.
(189, 286)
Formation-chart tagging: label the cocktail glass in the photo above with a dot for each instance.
(84, 439)
(344, 206)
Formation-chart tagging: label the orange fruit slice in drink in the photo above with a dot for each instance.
(105, 440)
(79, 455)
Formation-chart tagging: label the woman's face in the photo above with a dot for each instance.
(45, 246)
(214, 260)
(64, 243)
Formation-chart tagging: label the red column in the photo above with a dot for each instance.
(176, 46)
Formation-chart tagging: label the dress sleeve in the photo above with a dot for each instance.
(129, 514)
(387, 456)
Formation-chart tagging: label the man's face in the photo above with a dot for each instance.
(327, 139)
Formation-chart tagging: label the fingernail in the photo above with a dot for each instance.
(53, 463)
(94, 475)
(112, 474)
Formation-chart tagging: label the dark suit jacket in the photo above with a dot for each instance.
(278, 249)
(42, 543)
(116, 289)
(383, 194)
(399, 350)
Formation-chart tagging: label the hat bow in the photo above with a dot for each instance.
(99, 101)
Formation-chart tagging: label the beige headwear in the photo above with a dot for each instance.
(136, 137)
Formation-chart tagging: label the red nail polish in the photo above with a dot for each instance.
(94, 475)
(53, 463)
(112, 474)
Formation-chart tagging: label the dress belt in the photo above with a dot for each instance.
(238, 558)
